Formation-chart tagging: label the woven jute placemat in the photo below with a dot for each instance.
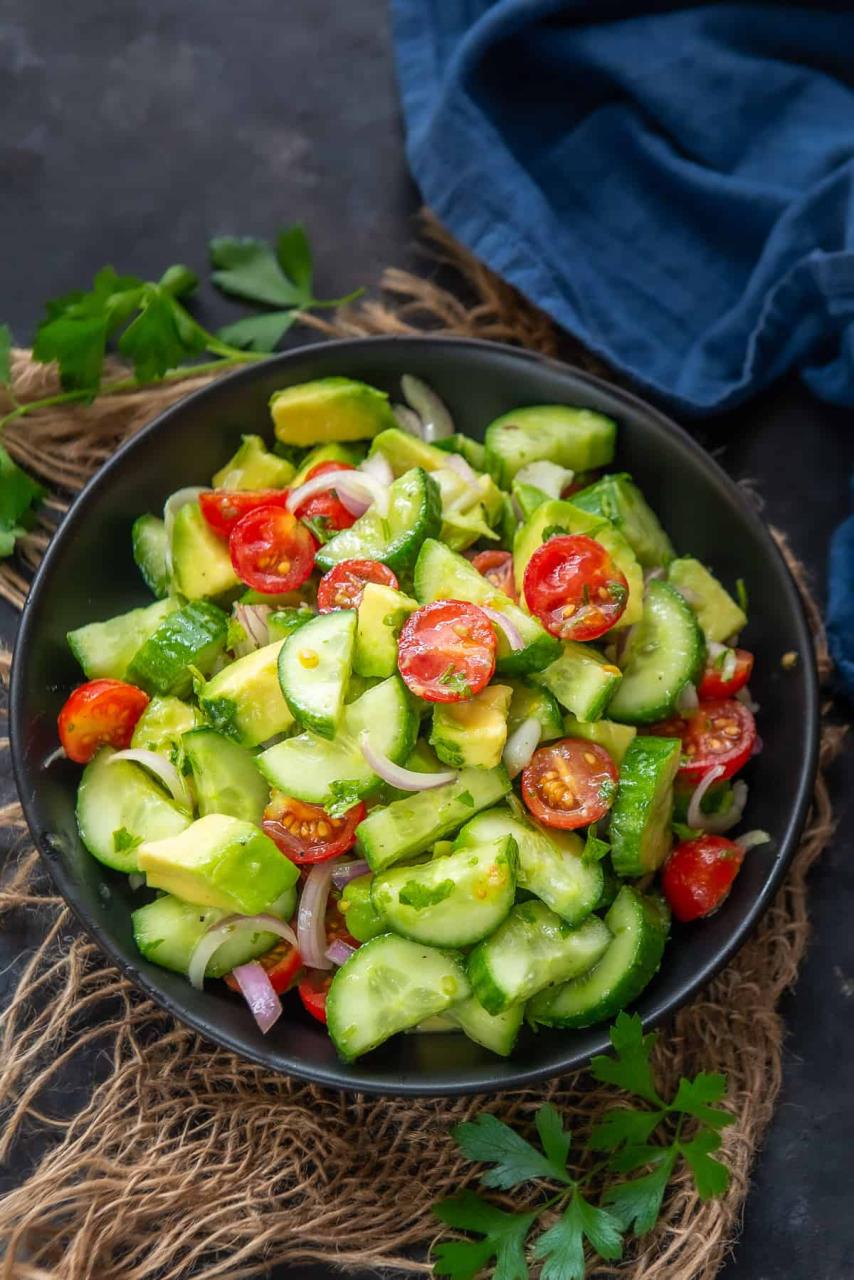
(184, 1159)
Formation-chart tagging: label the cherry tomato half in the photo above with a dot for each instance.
(313, 990)
(283, 964)
(222, 508)
(699, 874)
(574, 588)
(717, 733)
(305, 832)
(446, 651)
(344, 585)
(100, 713)
(725, 674)
(497, 568)
(327, 508)
(569, 784)
(271, 551)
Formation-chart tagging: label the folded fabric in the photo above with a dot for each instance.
(674, 184)
(840, 600)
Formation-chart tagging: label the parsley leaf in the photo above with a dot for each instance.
(489, 1139)
(553, 531)
(741, 593)
(259, 333)
(158, 340)
(630, 1069)
(5, 356)
(555, 1139)
(711, 1178)
(594, 849)
(562, 1246)
(504, 1236)
(466, 798)
(294, 254)
(124, 840)
(249, 269)
(342, 796)
(18, 494)
(456, 680)
(637, 1204)
(623, 1126)
(684, 832)
(418, 896)
(694, 1096)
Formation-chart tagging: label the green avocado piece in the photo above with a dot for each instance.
(161, 726)
(148, 536)
(201, 565)
(472, 734)
(382, 612)
(615, 738)
(219, 861)
(403, 452)
(717, 613)
(245, 701)
(361, 916)
(254, 467)
(350, 454)
(225, 776)
(329, 409)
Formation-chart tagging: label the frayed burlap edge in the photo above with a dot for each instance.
(187, 1160)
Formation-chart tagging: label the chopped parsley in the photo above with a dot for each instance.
(418, 896)
(124, 841)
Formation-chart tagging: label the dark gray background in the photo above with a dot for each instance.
(131, 133)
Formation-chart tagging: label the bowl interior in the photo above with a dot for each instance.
(89, 574)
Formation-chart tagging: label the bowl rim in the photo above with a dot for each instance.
(359, 1081)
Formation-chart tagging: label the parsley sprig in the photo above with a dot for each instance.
(587, 1209)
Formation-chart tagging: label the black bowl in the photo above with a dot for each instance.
(88, 573)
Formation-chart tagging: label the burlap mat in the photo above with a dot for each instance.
(185, 1159)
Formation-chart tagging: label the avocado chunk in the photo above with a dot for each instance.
(226, 777)
(350, 454)
(148, 537)
(473, 733)
(382, 612)
(105, 649)
(403, 452)
(575, 438)
(245, 701)
(717, 613)
(615, 738)
(620, 500)
(254, 467)
(329, 409)
(361, 916)
(186, 642)
(201, 565)
(162, 725)
(219, 861)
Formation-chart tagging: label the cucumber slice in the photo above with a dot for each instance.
(639, 926)
(620, 500)
(582, 680)
(335, 774)
(167, 931)
(640, 832)
(363, 920)
(550, 864)
(718, 614)
(415, 513)
(472, 450)
(615, 738)
(533, 703)
(314, 669)
(440, 574)
(245, 701)
(407, 827)
(186, 642)
(105, 649)
(452, 901)
(497, 1032)
(226, 776)
(149, 551)
(576, 438)
(120, 805)
(665, 652)
(389, 985)
(531, 950)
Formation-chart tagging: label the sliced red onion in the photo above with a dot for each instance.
(339, 951)
(163, 769)
(180, 498)
(689, 596)
(654, 575)
(437, 422)
(695, 816)
(751, 839)
(718, 823)
(744, 695)
(547, 476)
(456, 462)
(354, 488)
(397, 776)
(253, 620)
(521, 745)
(344, 872)
(311, 917)
(509, 629)
(136, 880)
(408, 420)
(213, 938)
(259, 993)
(58, 754)
(378, 466)
(687, 700)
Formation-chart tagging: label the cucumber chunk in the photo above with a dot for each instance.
(497, 1032)
(226, 776)
(283, 622)
(718, 614)
(201, 565)
(534, 703)
(120, 805)
(620, 500)
(441, 574)
(314, 670)
(472, 733)
(415, 513)
(452, 901)
(407, 827)
(335, 774)
(245, 701)
(148, 536)
(389, 985)
(329, 409)
(582, 680)
(639, 926)
(640, 831)
(472, 450)
(105, 649)
(576, 438)
(254, 467)
(550, 863)
(363, 920)
(532, 949)
(615, 738)
(190, 640)
(665, 652)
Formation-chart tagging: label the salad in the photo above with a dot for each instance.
(433, 734)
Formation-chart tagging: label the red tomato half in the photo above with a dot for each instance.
(716, 683)
(327, 508)
(574, 588)
(305, 833)
(699, 875)
(271, 551)
(569, 784)
(283, 964)
(222, 508)
(313, 990)
(446, 651)
(497, 568)
(344, 585)
(717, 733)
(100, 713)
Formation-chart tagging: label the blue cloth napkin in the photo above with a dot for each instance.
(674, 184)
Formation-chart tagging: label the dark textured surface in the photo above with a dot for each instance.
(134, 131)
